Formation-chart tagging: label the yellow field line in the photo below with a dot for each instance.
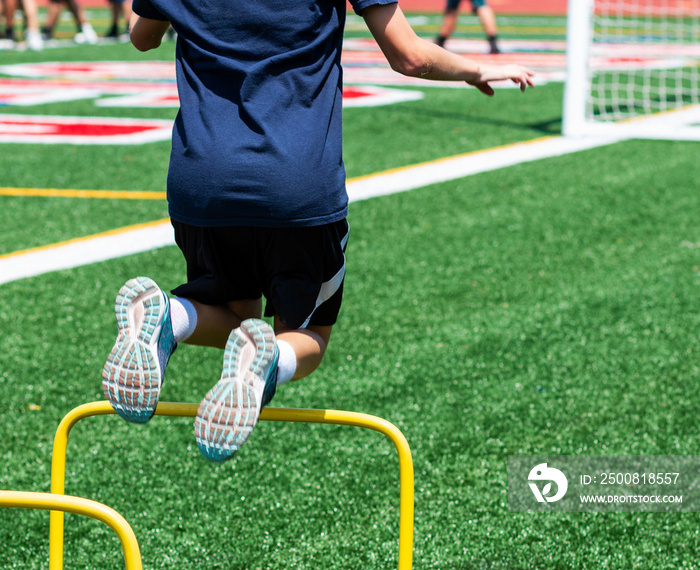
(117, 194)
(99, 194)
(447, 159)
(359, 188)
(148, 195)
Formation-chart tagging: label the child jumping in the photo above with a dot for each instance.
(256, 194)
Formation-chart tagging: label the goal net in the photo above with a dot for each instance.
(632, 68)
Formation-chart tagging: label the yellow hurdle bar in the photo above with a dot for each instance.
(406, 502)
(80, 506)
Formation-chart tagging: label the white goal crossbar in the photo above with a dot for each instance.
(633, 69)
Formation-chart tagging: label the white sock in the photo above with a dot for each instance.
(287, 363)
(184, 318)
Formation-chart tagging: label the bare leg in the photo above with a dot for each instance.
(126, 7)
(10, 9)
(86, 34)
(54, 10)
(31, 13)
(116, 11)
(449, 22)
(448, 26)
(309, 345)
(32, 35)
(215, 322)
(488, 20)
(77, 12)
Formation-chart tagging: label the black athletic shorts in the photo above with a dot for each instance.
(300, 271)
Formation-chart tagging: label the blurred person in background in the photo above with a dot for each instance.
(86, 34)
(119, 8)
(486, 17)
(31, 16)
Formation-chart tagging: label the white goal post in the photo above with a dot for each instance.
(633, 69)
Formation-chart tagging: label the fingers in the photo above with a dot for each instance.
(485, 88)
(519, 75)
(522, 82)
(523, 78)
(527, 80)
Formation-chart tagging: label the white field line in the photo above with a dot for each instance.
(137, 239)
(83, 251)
(420, 175)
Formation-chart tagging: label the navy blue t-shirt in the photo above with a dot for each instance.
(258, 138)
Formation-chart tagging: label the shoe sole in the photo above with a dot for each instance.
(229, 412)
(132, 375)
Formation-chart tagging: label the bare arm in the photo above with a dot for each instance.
(411, 55)
(146, 34)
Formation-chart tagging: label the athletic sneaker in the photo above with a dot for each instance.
(86, 35)
(133, 373)
(34, 41)
(229, 412)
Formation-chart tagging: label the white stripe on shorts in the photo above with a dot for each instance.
(330, 287)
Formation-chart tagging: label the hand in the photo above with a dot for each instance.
(516, 73)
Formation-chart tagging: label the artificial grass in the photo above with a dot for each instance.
(547, 308)
(62, 219)
(446, 122)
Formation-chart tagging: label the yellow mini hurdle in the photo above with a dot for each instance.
(58, 469)
(80, 506)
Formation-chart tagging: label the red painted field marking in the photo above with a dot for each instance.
(81, 130)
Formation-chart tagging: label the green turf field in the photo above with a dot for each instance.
(545, 308)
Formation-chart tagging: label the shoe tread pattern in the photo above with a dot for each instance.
(229, 412)
(133, 375)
